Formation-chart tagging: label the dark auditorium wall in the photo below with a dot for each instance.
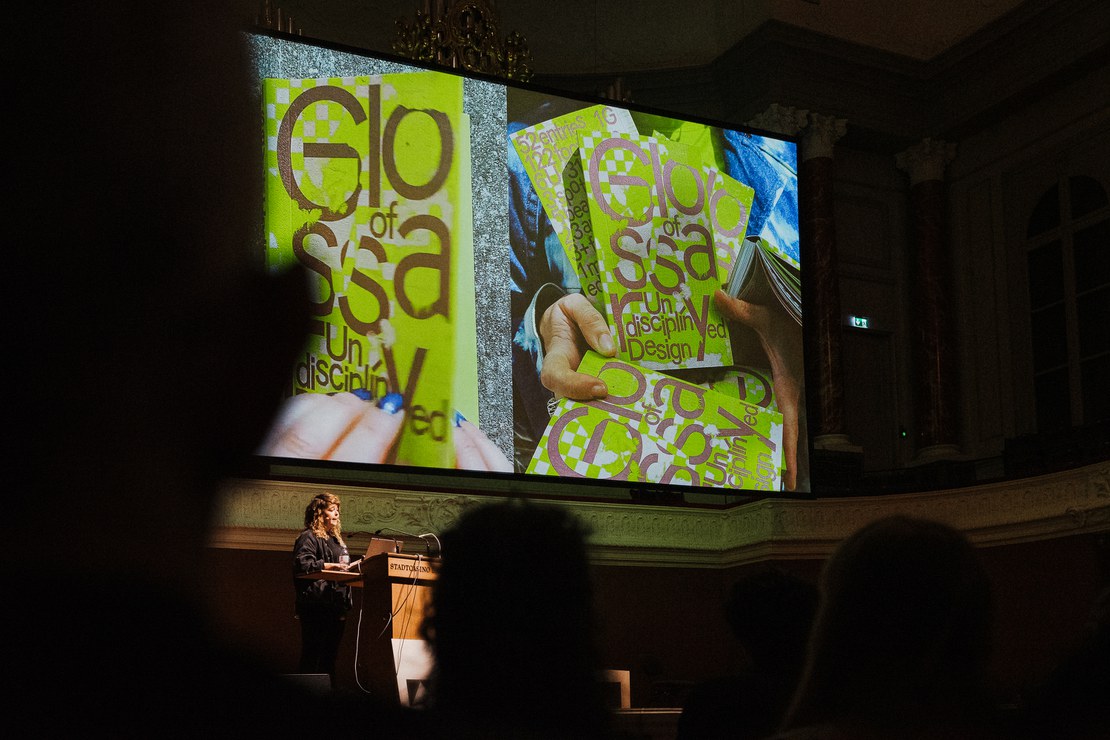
(250, 593)
(664, 624)
(1043, 591)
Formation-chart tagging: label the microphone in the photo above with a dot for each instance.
(438, 548)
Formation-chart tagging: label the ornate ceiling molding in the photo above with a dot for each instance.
(265, 515)
(892, 100)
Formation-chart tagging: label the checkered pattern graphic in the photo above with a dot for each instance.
(363, 325)
(323, 122)
(659, 431)
(549, 150)
(572, 448)
(620, 161)
(678, 294)
(617, 445)
(575, 439)
(573, 443)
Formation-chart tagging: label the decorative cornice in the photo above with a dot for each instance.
(780, 119)
(265, 515)
(926, 160)
(821, 133)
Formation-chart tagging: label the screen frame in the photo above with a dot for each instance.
(514, 484)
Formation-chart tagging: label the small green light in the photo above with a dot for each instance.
(860, 322)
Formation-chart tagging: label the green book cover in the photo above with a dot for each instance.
(584, 257)
(465, 390)
(729, 204)
(751, 385)
(367, 189)
(650, 217)
(545, 149)
(654, 428)
(730, 201)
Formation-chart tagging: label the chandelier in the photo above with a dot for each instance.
(463, 34)
(274, 18)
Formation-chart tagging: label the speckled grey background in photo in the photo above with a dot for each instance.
(485, 104)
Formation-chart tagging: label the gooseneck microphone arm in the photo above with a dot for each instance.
(439, 547)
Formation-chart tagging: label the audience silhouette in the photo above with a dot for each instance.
(770, 613)
(901, 638)
(1071, 703)
(511, 628)
(148, 355)
(156, 349)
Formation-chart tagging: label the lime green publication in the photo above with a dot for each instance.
(654, 428)
(729, 203)
(545, 149)
(584, 256)
(650, 204)
(751, 385)
(368, 188)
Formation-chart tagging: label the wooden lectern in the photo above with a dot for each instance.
(393, 659)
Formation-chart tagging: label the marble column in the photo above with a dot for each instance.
(815, 186)
(931, 317)
(819, 133)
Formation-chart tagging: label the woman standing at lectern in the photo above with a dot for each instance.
(322, 605)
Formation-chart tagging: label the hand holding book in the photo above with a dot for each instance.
(656, 428)
(475, 451)
(340, 426)
(656, 225)
(353, 427)
(569, 328)
(781, 339)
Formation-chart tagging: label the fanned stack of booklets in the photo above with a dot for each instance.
(653, 231)
(654, 428)
(649, 218)
(544, 150)
(764, 274)
(368, 187)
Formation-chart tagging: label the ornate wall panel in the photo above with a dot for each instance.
(265, 515)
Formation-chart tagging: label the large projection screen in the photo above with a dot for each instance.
(528, 289)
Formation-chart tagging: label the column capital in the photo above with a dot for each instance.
(821, 133)
(780, 119)
(926, 160)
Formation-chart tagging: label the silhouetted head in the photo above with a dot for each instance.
(902, 633)
(159, 345)
(511, 624)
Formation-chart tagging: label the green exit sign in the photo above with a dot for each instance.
(860, 322)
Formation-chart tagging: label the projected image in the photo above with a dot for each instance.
(656, 298)
(368, 187)
(513, 282)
